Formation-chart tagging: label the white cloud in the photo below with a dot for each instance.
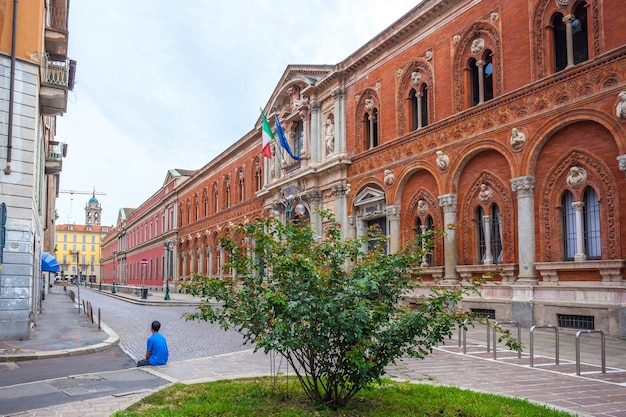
(164, 85)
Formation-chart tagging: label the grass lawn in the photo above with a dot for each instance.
(283, 397)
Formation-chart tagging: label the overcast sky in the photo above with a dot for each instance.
(163, 84)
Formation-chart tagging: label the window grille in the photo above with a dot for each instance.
(484, 313)
(573, 321)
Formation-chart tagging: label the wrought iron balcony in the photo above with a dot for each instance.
(57, 77)
(56, 18)
(54, 157)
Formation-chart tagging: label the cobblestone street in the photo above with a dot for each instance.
(185, 339)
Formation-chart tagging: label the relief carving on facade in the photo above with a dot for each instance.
(518, 139)
(620, 109)
(576, 177)
(443, 160)
(390, 177)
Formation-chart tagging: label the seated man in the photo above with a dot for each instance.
(156, 351)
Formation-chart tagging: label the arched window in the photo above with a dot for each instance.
(570, 38)
(591, 216)
(370, 122)
(259, 179)
(481, 79)
(419, 107)
(489, 233)
(581, 226)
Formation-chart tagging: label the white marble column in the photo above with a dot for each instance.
(393, 217)
(185, 255)
(340, 120)
(524, 187)
(580, 247)
(487, 230)
(340, 192)
(315, 199)
(317, 142)
(210, 255)
(448, 203)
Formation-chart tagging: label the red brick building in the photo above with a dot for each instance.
(505, 119)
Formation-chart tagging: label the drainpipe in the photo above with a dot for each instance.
(7, 169)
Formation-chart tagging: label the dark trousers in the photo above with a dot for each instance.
(143, 362)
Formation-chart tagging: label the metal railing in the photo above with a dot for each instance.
(532, 342)
(56, 72)
(56, 18)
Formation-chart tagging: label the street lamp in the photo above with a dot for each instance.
(114, 270)
(288, 203)
(168, 267)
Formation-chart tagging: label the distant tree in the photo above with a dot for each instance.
(333, 308)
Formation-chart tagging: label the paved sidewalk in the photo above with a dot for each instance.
(592, 393)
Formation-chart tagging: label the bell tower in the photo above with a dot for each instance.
(93, 211)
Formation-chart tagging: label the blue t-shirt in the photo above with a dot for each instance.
(157, 346)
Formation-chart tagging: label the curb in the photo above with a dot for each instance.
(112, 340)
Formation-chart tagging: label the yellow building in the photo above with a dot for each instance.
(84, 239)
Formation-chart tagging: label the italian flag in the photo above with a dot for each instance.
(268, 137)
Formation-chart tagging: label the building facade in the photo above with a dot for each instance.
(139, 251)
(503, 126)
(36, 76)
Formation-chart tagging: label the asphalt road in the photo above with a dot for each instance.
(42, 383)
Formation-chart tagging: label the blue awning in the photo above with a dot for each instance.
(49, 263)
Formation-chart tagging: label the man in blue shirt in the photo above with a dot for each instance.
(156, 351)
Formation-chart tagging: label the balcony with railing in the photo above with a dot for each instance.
(54, 157)
(56, 33)
(57, 77)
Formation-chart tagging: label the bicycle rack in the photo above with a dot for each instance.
(463, 335)
(495, 340)
(603, 347)
(556, 342)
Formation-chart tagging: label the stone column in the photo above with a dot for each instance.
(315, 198)
(317, 142)
(487, 230)
(185, 255)
(393, 217)
(524, 187)
(340, 192)
(448, 203)
(580, 247)
(200, 259)
(340, 120)
(209, 267)
(569, 39)
(220, 264)
(418, 97)
(481, 80)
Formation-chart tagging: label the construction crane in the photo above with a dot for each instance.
(72, 192)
